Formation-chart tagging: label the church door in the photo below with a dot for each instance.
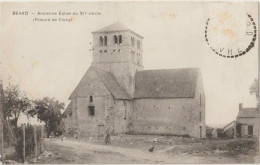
(101, 130)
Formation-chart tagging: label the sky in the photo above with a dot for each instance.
(50, 58)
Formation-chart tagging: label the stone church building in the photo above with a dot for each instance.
(117, 95)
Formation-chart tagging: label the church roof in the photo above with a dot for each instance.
(67, 110)
(248, 112)
(117, 26)
(166, 83)
(107, 79)
(112, 85)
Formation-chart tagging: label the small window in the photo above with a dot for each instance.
(100, 41)
(119, 50)
(200, 100)
(91, 99)
(120, 39)
(105, 41)
(250, 130)
(105, 51)
(100, 51)
(115, 40)
(91, 110)
(70, 114)
(114, 50)
(200, 116)
(133, 41)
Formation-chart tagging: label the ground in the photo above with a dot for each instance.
(134, 149)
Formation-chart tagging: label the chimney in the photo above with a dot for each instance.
(240, 106)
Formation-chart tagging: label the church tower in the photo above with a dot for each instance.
(118, 50)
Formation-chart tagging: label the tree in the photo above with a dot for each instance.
(254, 90)
(48, 110)
(14, 103)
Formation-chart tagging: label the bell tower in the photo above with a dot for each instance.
(118, 50)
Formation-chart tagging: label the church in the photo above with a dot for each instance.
(117, 95)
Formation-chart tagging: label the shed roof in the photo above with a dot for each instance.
(166, 83)
(248, 112)
(229, 125)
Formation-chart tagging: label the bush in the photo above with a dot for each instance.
(241, 145)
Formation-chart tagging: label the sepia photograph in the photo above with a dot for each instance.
(129, 82)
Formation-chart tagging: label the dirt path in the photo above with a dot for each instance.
(82, 152)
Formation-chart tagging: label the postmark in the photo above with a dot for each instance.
(230, 37)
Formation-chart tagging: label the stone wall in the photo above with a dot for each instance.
(200, 110)
(164, 116)
(246, 122)
(172, 116)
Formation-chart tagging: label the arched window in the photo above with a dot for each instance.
(105, 41)
(120, 39)
(133, 41)
(91, 99)
(100, 41)
(115, 40)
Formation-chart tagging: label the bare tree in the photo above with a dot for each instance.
(254, 90)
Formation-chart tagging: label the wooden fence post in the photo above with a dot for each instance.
(2, 144)
(41, 139)
(35, 142)
(23, 129)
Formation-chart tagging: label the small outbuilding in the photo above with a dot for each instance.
(247, 121)
(229, 130)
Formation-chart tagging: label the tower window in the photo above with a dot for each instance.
(200, 116)
(91, 110)
(105, 41)
(91, 99)
(133, 41)
(120, 39)
(100, 41)
(115, 40)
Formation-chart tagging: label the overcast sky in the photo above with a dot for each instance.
(50, 58)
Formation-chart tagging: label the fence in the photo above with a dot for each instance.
(29, 141)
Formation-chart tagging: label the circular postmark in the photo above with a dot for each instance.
(230, 37)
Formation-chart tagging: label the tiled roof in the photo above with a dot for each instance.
(168, 83)
(117, 26)
(108, 80)
(248, 112)
(112, 85)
